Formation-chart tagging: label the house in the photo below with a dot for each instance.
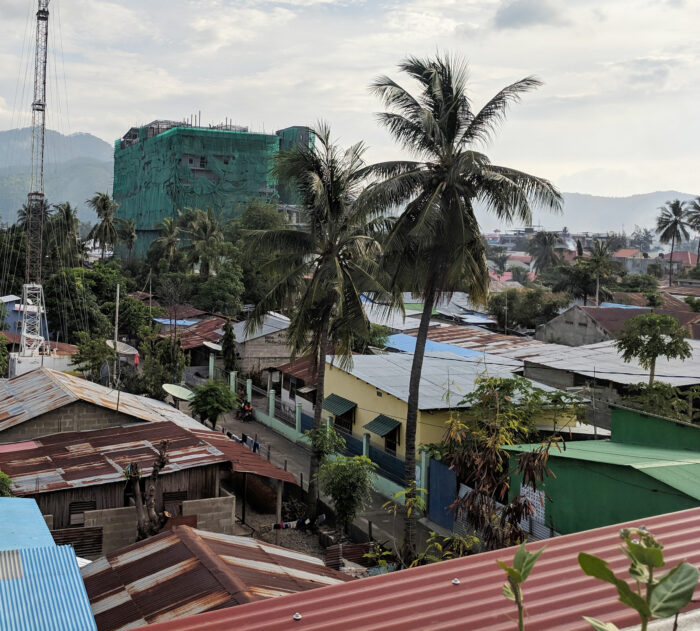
(45, 401)
(40, 584)
(297, 384)
(636, 299)
(579, 326)
(184, 571)
(683, 259)
(637, 262)
(649, 466)
(77, 479)
(265, 347)
(194, 338)
(466, 594)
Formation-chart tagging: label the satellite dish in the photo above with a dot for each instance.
(178, 392)
(123, 349)
(213, 346)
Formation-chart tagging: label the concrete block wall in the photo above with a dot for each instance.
(118, 526)
(215, 515)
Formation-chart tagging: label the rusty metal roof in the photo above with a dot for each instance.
(83, 459)
(557, 594)
(43, 390)
(185, 571)
(484, 341)
(208, 330)
(60, 348)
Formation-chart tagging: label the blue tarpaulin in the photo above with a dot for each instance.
(407, 344)
(170, 322)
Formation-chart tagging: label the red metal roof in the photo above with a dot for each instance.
(61, 349)
(185, 571)
(614, 319)
(641, 300)
(626, 253)
(83, 459)
(557, 594)
(685, 258)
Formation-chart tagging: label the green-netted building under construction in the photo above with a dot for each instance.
(167, 166)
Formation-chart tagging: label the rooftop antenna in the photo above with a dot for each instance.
(32, 341)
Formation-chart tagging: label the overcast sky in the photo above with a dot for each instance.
(618, 113)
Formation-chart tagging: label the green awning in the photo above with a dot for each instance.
(382, 425)
(338, 405)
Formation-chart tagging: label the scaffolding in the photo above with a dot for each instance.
(167, 166)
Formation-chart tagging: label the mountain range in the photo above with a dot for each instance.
(80, 164)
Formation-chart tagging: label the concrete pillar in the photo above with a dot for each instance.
(365, 445)
(424, 473)
(297, 417)
(329, 422)
(211, 366)
(271, 403)
(232, 381)
(249, 390)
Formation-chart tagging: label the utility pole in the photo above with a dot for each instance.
(116, 341)
(33, 310)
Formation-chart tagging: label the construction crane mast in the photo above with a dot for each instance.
(33, 310)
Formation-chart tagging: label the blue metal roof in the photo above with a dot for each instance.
(22, 525)
(407, 344)
(41, 589)
(617, 305)
(169, 322)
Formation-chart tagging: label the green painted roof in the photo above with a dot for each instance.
(678, 468)
(382, 425)
(338, 405)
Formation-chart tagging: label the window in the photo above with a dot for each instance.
(76, 512)
(391, 440)
(202, 163)
(583, 324)
(344, 421)
(172, 502)
(292, 388)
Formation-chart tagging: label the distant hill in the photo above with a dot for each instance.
(76, 166)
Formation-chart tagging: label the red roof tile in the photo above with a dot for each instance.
(557, 593)
(626, 253)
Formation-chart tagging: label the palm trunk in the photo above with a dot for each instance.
(597, 290)
(697, 260)
(409, 542)
(670, 264)
(314, 463)
(652, 370)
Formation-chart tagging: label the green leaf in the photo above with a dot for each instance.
(599, 625)
(645, 555)
(508, 592)
(512, 573)
(529, 562)
(597, 568)
(674, 591)
(520, 556)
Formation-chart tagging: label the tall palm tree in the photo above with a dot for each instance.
(23, 215)
(599, 262)
(169, 238)
(672, 225)
(205, 239)
(324, 270)
(63, 236)
(438, 233)
(104, 232)
(126, 228)
(542, 247)
(694, 222)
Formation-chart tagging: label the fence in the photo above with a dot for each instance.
(389, 466)
(442, 491)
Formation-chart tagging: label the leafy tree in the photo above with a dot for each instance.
(617, 242)
(228, 348)
(211, 400)
(378, 337)
(133, 315)
(92, 355)
(520, 275)
(258, 215)
(672, 225)
(663, 596)
(577, 280)
(655, 270)
(500, 261)
(104, 232)
(642, 238)
(62, 238)
(104, 278)
(600, 263)
(349, 483)
(321, 272)
(662, 399)
(693, 303)
(5, 485)
(649, 336)
(542, 247)
(527, 309)
(126, 230)
(4, 356)
(640, 283)
(436, 240)
(654, 299)
(325, 442)
(221, 293)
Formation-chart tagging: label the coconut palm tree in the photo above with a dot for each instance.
(694, 222)
(437, 236)
(127, 233)
(23, 215)
(672, 225)
(323, 271)
(599, 262)
(63, 236)
(205, 239)
(542, 248)
(169, 238)
(104, 232)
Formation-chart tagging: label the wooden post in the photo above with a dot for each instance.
(297, 417)
(245, 496)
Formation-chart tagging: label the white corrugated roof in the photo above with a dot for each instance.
(603, 361)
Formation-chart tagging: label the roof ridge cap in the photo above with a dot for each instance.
(52, 375)
(222, 572)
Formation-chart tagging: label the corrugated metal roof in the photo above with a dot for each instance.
(207, 330)
(557, 594)
(678, 468)
(442, 373)
(614, 319)
(22, 525)
(272, 323)
(43, 390)
(338, 405)
(407, 344)
(91, 458)
(382, 425)
(185, 571)
(603, 362)
(41, 590)
(60, 348)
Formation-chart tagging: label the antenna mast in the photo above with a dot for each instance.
(33, 311)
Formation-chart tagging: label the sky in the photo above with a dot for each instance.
(617, 114)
